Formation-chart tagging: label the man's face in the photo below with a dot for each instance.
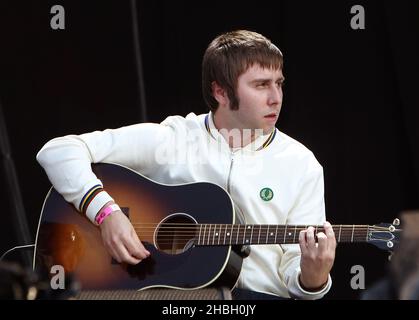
(259, 92)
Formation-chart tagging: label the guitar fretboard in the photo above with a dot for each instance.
(231, 234)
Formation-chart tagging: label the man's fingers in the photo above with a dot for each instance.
(302, 241)
(331, 239)
(135, 247)
(323, 242)
(125, 256)
(121, 239)
(311, 240)
(114, 254)
(307, 240)
(139, 244)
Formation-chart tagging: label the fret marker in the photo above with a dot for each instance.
(290, 234)
(216, 234)
(272, 233)
(228, 233)
(248, 227)
(247, 241)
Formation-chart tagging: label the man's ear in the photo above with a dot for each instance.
(219, 94)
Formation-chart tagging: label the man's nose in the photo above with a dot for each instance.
(275, 96)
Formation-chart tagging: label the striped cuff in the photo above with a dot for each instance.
(88, 196)
(96, 204)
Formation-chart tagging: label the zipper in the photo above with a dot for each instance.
(229, 172)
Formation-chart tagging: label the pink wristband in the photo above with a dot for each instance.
(106, 212)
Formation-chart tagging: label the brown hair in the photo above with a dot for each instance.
(231, 54)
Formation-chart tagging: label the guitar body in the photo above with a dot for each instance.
(67, 238)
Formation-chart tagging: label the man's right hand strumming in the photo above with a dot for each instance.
(121, 240)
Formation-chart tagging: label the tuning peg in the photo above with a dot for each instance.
(396, 222)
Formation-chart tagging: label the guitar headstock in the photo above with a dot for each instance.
(385, 235)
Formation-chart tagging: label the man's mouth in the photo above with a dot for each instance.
(271, 116)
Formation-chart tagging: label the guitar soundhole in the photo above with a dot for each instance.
(175, 234)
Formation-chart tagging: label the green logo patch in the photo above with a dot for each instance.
(266, 194)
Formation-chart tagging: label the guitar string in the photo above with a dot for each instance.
(227, 230)
(292, 229)
(192, 230)
(194, 234)
(266, 225)
(262, 239)
(224, 231)
(233, 232)
(206, 243)
(356, 236)
(243, 226)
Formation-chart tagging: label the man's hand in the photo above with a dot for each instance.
(121, 240)
(316, 259)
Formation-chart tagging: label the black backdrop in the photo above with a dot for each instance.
(350, 95)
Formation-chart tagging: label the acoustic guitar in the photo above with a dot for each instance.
(191, 231)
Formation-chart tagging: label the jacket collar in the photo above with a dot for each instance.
(260, 143)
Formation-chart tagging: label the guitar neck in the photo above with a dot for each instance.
(231, 234)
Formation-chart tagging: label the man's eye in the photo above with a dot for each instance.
(262, 85)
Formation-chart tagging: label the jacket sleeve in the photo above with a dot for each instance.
(67, 160)
(308, 209)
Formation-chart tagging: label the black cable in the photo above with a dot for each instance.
(18, 214)
(15, 248)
